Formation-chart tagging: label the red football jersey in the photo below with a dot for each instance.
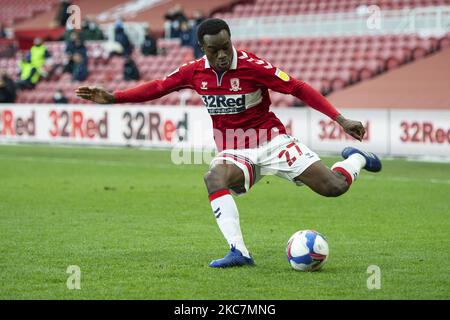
(238, 99)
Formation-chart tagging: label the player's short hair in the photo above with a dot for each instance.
(211, 26)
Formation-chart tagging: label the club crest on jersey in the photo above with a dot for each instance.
(204, 85)
(235, 84)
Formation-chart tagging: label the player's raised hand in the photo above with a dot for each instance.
(97, 95)
(351, 127)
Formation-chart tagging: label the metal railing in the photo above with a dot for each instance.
(372, 20)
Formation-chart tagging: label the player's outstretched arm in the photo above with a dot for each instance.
(315, 99)
(180, 78)
(279, 81)
(97, 95)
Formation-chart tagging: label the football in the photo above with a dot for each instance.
(307, 250)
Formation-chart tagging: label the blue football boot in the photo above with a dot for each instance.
(373, 163)
(234, 258)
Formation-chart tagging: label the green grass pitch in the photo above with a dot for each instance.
(140, 227)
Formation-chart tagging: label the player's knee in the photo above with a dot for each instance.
(215, 179)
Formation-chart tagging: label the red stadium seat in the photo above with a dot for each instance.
(444, 43)
(419, 52)
(328, 63)
(337, 84)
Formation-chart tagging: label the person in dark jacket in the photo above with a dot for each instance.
(130, 70)
(149, 46)
(74, 47)
(2, 31)
(91, 31)
(186, 35)
(121, 37)
(7, 89)
(80, 70)
(174, 17)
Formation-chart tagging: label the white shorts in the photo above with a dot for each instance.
(283, 156)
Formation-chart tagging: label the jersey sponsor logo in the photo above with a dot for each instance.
(222, 104)
(234, 82)
(204, 85)
(282, 75)
(230, 104)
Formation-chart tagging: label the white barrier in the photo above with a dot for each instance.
(389, 132)
(371, 20)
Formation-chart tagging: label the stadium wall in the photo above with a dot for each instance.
(389, 132)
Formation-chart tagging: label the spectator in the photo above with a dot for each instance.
(174, 17)
(149, 46)
(118, 23)
(186, 35)
(197, 18)
(29, 75)
(62, 16)
(91, 31)
(80, 70)
(39, 54)
(130, 70)
(7, 89)
(59, 97)
(67, 34)
(70, 41)
(189, 39)
(198, 53)
(121, 37)
(74, 46)
(2, 31)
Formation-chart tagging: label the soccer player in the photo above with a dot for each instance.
(251, 140)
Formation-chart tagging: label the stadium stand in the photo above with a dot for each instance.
(109, 76)
(283, 7)
(417, 85)
(15, 11)
(107, 11)
(328, 63)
